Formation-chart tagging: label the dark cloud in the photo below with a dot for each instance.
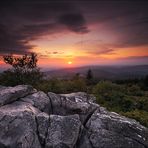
(24, 21)
(126, 20)
(74, 22)
(53, 52)
(33, 31)
(11, 42)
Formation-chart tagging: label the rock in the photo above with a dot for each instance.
(43, 124)
(75, 103)
(18, 126)
(11, 94)
(63, 131)
(84, 141)
(108, 129)
(31, 119)
(80, 96)
(39, 100)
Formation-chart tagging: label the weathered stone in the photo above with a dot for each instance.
(11, 94)
(63, 131)
(39, 100)
(18, 126)
(80, 96)
(108, 129)
(84, 141)
(43, 124)
(26, 122)
(75, 103)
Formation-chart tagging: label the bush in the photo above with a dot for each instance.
(13, 78)
(114, 96)
(139, 115)
(62, 86)
(108, 93)
(134, 90)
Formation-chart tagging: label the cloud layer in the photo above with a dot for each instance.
(22, 21)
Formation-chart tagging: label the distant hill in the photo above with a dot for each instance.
(102, 72)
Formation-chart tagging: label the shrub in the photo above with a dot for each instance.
(113, 96)
(139, 115)
(134, 90)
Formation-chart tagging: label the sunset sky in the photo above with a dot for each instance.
(67, 33)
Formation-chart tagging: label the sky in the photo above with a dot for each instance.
(70, 33)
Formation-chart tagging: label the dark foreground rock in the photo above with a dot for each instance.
(31, 119)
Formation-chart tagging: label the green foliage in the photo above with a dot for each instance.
(139, 115)
(134, 90)
(62, 86)
(128, 100)
(24, 71)
(13, 78)
(108, 93)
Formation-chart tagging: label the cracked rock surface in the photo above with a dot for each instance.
(33, 119)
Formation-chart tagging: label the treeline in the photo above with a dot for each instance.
(127, 97)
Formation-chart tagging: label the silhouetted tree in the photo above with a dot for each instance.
(24, 70)
(89, 75)
(146, 81)
(22, 64)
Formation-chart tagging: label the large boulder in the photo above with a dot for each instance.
(18, 126)
(108, 129)
(39, 100)
(75, 103)
(10, 94)
(63, 131)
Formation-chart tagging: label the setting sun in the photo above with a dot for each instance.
(69, 62)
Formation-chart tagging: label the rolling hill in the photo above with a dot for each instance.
(102, 72)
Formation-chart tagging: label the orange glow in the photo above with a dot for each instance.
(69, 62)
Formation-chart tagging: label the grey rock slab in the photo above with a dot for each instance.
(42, 124)
(108, 129)
(63, 131)
(84, 141)
(75, 103)
(18, 126)
(11, 94)
(39, 100)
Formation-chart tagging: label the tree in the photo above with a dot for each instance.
(89, 75)
(22, 64)
(146, 81)
(24, 70)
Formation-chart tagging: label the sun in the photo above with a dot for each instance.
(69, 62)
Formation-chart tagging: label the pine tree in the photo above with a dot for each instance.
(89, 75)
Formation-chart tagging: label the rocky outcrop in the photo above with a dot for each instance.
(33, 119)
(10, 94)
(63, 131)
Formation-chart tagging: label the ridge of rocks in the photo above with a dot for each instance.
(33, 119)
